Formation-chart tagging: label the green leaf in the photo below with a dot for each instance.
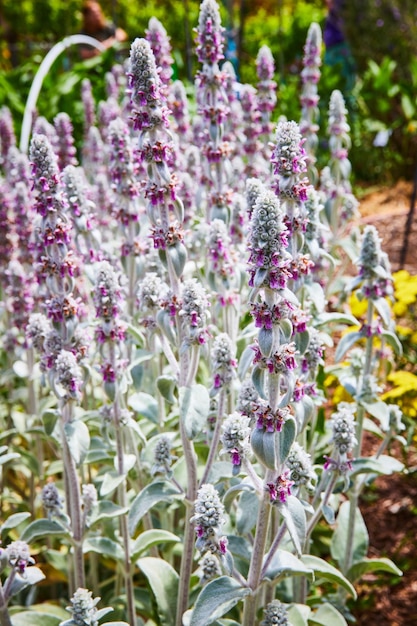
(408, 106)
(373, 565)
(286, 329)
(298, 614)
(149, 496)
(33, 575)
(163, 580)
(216, 599)
(78, 439)
(393, 341)
(294, 515)
(150, 538)
(106, 509)
(35, 618)
(13, 521)
(340, 535)
(335, 318)
(380, 410)
(283, 563)
(322, 569)
(110, 482)
(194, 408)
(247, 512)
(272, 448)
(232, 492)
(42, 528)
(346, 342)
(327, 615)
(383, 465)
(166, 386)
(20, 368)
(145, 405)
(383, 309)
(49, 419)
(104, 546)
(5, 458)
(302, 341)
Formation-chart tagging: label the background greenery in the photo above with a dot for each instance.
(382, 35)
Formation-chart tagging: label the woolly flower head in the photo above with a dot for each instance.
(247, 397)
(161, 47)
(343, 428)
(83, 608)
(163, 457)
(89, 497)
(337, 114)
(208, 510)
(68, 373)
(312, 48)
(267, 243)
(145, 86)
(195, 304)
(370, 254)
(145, 80)
(265, 64)
(107, 292)
(209, 33)
(150, 292)
(18, 555)
(254, 188)
(51, 500)
(37, 329)
(45, 163)
(209, 568)
(208, 519)
(235, 437)
(222, 361)
(300, 466)
(289, 156)
(275, 613)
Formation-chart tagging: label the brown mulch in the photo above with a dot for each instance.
(389, 508)
(390, 513)
(387, 209)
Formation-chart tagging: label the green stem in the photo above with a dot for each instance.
(123, 520)
(189, 537)
(255, 568)
(4, 612)
(319, 511)
(274, 547)
(72, 484)
(216, 437)
(360, 416)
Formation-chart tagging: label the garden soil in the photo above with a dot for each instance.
(390, 508)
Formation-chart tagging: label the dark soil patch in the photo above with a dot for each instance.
(390, 513)
(388, 209)
(390, 506)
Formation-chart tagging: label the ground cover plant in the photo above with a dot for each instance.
(185, 386)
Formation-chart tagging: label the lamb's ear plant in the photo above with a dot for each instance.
(179, 453)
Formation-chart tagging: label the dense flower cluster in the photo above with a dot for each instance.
(208, 519)
(235, 438)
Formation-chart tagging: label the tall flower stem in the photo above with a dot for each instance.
(188, 550)
(4, 612)
(258, 551)
(216, 437)
(72, 485)
(122, 499)
(360, 414)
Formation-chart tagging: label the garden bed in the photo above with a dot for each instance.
(390, 514)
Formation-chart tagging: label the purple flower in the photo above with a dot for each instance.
(64, 147)
(280, 489)
(209, 33)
